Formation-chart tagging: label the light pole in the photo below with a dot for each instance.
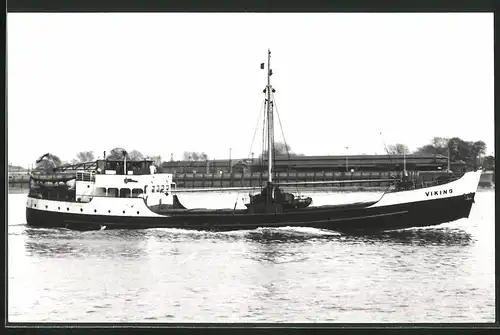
(346, 160)
(448, 157)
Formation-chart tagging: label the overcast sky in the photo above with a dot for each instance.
(168, 83)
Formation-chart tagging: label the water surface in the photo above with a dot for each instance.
(438, 274)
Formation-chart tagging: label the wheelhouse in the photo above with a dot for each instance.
(122, 167)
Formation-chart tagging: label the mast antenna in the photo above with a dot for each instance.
(270, 131)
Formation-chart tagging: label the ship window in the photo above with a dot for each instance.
(153, 189)
(136, 192)
(124, 193)
(100, 192)
(113, 192)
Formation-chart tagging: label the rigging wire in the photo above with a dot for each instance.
(389, 155)
(249, 153)
(262, 154)
(284, 139)
(273, 152)
(256, 127)
(385, 146)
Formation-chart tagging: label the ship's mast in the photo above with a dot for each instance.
(270, 130)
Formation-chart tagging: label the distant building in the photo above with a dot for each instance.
(318, 164)
(17, 170)
(412, 162)
(206, 166)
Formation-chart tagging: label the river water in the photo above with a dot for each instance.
(440, 274)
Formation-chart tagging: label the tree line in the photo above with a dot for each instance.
(470, 152)
(50, 161)
(280, 149)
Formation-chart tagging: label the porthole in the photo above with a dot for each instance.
(109, 211)
(137, 212)
(95, 210)
(59, 208)
(35, 205)
(46, 206)
(67, 208)
(123, 212)
(81, 209)
(88, 186)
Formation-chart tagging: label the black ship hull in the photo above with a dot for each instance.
(347, 218)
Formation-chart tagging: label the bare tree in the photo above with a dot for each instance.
(85, 156)
(135, 155)
(440, 142)
(438, 146)
(117, 154)
(195, 156)
(156, 160)
(398, 149)
(458, 149)
(282, 150)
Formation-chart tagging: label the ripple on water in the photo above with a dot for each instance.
(440, 274)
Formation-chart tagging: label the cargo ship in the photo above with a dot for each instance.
(121, 194)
